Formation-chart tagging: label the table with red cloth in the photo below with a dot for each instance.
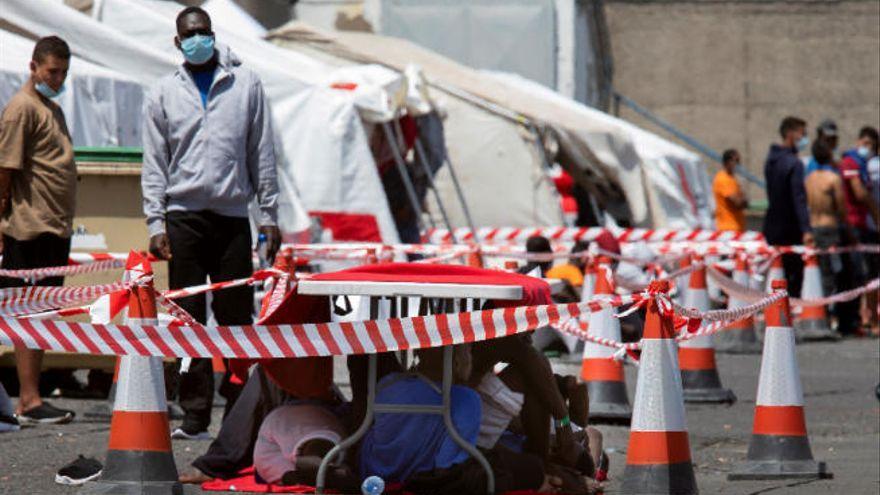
(460, 287)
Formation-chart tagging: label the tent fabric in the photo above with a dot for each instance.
(97, 104)
(335, 170)
(319, 133)
(495, 159)
(676, 182)
(607, 152)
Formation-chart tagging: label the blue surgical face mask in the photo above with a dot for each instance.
(45, 90)
(863, 151)
(197, 49)
(802, 143)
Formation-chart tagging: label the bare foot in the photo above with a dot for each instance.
(194, 478)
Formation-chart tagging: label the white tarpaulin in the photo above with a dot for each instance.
(98, 103)
(605, 152)
(318, 129)
(496, 159)
(677, 184)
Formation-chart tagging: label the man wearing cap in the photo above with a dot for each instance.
(208, 151)
(827, 134)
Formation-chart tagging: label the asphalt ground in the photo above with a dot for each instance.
(843, 419)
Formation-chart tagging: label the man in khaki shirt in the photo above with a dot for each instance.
(37, 199)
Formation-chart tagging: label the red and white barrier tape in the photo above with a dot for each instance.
(63, 271)
(519, 235)
(17, 301)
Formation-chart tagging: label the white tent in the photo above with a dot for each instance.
(98, 101)
(496, 159)
(602, 156)
(319, 134)
(676, 182)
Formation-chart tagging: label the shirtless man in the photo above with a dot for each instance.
(827, 206)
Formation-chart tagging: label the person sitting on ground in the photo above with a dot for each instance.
(292, 441)
(827, 205)
(572, 272)
(418, 451)
(537, 245)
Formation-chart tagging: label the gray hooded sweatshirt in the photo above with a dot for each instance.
(212, 158)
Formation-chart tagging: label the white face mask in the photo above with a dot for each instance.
(863, 151)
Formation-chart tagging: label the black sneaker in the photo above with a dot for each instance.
(81, 470)
(45, 414)
(8, 423)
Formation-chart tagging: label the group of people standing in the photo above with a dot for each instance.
(818, 197)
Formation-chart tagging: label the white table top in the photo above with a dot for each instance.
(410, 289)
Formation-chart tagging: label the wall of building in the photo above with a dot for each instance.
(727, 72)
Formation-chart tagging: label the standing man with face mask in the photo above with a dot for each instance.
(208, 151)
(37, 199)
(787, 221)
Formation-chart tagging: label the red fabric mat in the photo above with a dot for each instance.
(535, 291)
(247, 483)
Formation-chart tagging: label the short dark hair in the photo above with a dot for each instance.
(538, 244)
(728, 155)
(191, 10)
(822, 152)
(870, 132)
(791, 124)
(50, 45)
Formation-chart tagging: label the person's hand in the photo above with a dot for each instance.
(160, 247)
(568, 450)
(273, 241)
(809, 240)
(552, 484)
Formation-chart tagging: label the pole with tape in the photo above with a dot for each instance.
(139, 456)
(779, 447)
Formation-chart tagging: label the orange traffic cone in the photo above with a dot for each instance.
(740, 337)
(603, 375)
(475, 259)
(779, 447)
(658, 459)
(699, 373)
(813, 321)
(681, 282)
(776, 272)
(139, 457)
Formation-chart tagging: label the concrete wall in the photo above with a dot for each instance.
(727, 72)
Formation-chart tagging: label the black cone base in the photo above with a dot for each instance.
(704, 387)
(677, 479)
(136, 472)
(772, 470)
(814, 330)
(609, 402)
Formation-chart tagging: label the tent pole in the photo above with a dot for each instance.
(539, 147)
(421, 157)
(464, 206)
(404, 174)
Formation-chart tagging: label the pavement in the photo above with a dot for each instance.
(843, 419)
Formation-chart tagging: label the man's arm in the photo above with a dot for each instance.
(863, 197)
(799, 196)
(5, 182)
(262, 168)
(154, 174)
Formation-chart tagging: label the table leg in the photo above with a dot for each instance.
(450, 426)
(372, 365)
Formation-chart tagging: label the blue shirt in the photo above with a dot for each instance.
(204, 79)
(400, 445)
(787, 217)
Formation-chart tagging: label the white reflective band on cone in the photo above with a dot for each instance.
(602, 324)
(141, 385)
(658, 390)
(780, 384)
(812, 285)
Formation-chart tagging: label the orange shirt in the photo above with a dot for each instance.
(568, 272)
(727, 217)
